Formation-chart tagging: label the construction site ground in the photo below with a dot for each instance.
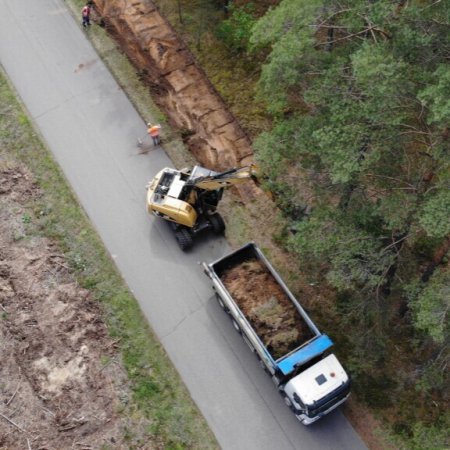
(64, 386)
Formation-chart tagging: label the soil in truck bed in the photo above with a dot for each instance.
(266, 306)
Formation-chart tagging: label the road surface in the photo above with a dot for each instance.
(91, 128)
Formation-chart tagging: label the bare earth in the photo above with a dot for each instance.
(60, 382)
(264, 303)
(178, 84)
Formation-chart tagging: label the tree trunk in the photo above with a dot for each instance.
(346, 195)
(330, 38)
(385, 289)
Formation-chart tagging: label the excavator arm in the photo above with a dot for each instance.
(224, 179)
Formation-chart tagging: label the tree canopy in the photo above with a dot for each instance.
(360, 95)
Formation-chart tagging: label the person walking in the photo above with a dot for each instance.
(153, 131)
(86, 15)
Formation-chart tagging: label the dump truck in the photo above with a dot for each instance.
(288, 344)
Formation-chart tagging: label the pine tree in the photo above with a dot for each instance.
(360, 94)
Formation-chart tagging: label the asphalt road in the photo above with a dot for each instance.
(91, 128)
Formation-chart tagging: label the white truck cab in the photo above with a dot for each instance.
(312, 393)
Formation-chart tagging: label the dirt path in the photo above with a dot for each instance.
(59, 381)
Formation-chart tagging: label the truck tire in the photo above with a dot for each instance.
(287, 401)
(217, 223)
(221, 303)
(184, 239)
(236, 326)
(263, 366)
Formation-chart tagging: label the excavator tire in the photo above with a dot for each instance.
(184, 239)
(217, 223)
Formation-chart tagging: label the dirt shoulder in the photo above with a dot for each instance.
(59, 386)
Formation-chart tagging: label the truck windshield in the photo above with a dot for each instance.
(328, 401)
(301, 368)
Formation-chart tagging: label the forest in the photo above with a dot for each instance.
(348, 105)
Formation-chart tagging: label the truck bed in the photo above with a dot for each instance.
(261, 295)
(275, 327)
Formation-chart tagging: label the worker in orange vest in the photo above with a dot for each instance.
(86, 15)
(153, 131)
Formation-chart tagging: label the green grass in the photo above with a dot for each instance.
(158, 394)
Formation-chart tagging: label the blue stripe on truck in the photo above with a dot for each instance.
(314, 348)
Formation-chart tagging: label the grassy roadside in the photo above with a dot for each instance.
(159, 395)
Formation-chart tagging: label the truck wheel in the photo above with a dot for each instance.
(263, 366)
(236, 326)
(184, 239)
(221, 303)
(287, 400)
(217, 223)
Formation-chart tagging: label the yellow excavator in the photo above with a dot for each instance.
(188, 198)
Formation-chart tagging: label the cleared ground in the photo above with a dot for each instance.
(61, 382)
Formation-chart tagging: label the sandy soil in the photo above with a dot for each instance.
(262, 300)
(60, 376)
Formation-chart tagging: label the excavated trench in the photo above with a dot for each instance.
(178, 84)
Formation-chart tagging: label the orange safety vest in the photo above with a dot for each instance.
(154, 130)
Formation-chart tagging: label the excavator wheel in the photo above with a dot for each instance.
(184, 239)
(217, 223)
